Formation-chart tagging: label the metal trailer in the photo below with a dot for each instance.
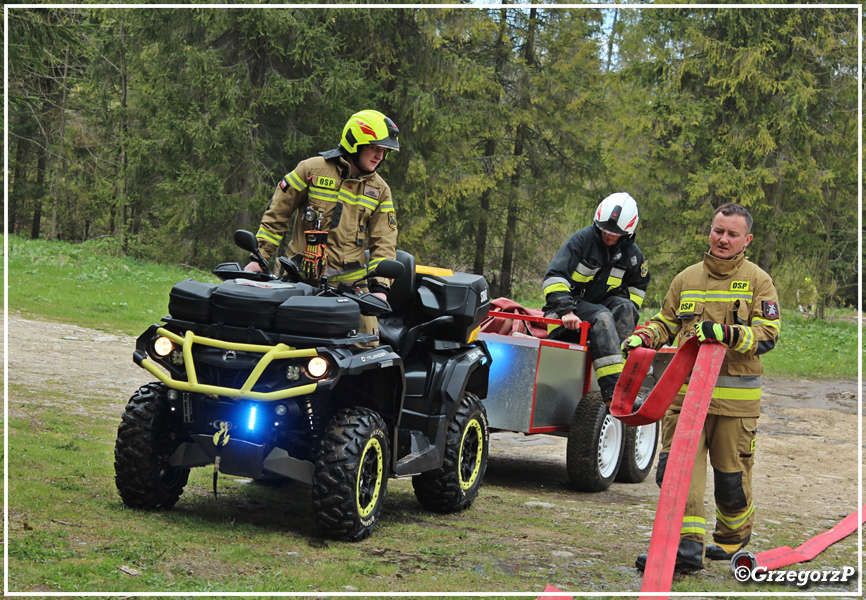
(548, 387)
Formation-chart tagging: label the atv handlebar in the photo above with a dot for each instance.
(370, 304)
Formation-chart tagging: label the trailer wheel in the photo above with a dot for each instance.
(595, 441)
(454, 486)
(350, 477)
(638, 449)
(638, 452)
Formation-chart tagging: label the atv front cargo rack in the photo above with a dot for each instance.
(270, 353)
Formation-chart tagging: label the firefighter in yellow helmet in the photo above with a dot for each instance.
(344, 208)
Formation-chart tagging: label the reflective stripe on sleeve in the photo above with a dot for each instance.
(555, 284)
(775, 323)
(273, 238)
(672, 327)
(296, 182)
(748, 339)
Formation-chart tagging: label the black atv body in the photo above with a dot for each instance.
(266, 377)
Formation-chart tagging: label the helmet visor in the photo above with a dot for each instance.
(610, 228)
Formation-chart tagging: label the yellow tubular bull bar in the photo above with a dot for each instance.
(271, 353)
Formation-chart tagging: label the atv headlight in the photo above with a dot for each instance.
(162, 346)
(317, 367)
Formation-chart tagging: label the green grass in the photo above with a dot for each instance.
(813, 349)
(90, 284)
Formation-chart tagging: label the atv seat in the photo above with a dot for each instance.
(393, 326)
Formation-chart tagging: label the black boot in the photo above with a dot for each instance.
(689, 557)
(721, 551)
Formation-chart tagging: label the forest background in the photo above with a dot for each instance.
(165, 129)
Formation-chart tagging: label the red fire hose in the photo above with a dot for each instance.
(703, 362)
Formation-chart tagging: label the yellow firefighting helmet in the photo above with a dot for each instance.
(617, 214)
(369, 127)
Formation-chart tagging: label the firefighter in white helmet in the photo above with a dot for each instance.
(599, 275)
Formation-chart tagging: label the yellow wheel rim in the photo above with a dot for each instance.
(369, 483)
(471, 449)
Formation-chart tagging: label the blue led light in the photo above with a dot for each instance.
(252, 423)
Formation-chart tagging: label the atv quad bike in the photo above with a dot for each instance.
(265, 377)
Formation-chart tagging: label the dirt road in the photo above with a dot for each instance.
(805, 477)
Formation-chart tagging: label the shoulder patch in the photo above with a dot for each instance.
(284, 184)
(644, 268)
(770, 309)
(392, 220)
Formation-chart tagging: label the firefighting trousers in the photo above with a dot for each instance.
(730, 442)
(610, 322)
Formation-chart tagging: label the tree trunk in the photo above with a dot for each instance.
(768, 242)
(55, 184)
(489, 152)
(483, 216)
(41, 166)
(124, 127)
(610, 40)
(523, 105)
(19, 182)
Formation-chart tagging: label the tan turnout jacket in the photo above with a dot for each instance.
(732, 292)
(357, 214)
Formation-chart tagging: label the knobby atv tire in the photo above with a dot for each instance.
(594, 445)
(350, 478)
(638, 450)
(455, 485)
(143, 447)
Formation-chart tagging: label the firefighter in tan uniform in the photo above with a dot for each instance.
(727, 299)
(343, 209)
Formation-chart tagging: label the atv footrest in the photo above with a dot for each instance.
(279, 461)
(423, 455)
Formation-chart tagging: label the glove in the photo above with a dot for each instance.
(707, 331)
(638, 340)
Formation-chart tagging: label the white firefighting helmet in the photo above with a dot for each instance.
(617, 214)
